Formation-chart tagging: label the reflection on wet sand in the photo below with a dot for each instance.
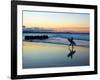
(41, 55)
(71, 49)
(72, 52)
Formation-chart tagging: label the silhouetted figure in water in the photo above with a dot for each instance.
(72, 44)
(71, 41)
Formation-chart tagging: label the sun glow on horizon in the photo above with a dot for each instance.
(59, 22)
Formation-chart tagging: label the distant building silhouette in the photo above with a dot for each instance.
(24, 26)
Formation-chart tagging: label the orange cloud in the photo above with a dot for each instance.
(72, 29)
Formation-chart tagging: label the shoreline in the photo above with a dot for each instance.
(56, 43)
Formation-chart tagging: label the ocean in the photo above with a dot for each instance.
(54, 51)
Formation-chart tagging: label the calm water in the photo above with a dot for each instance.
(41, 55)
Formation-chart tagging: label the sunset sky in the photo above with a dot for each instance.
(57, 21)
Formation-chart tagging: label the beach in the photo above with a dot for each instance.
(42, 55)
(55, 39)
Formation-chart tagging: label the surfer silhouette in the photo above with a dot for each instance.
(71, 40)
(71, 47)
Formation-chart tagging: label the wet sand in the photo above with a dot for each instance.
(43, 55)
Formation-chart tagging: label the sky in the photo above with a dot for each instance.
(57, 21)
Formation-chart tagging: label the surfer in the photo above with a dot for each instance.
(72, 44)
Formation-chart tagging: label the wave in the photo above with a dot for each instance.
(60, 41)
(77, 36)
